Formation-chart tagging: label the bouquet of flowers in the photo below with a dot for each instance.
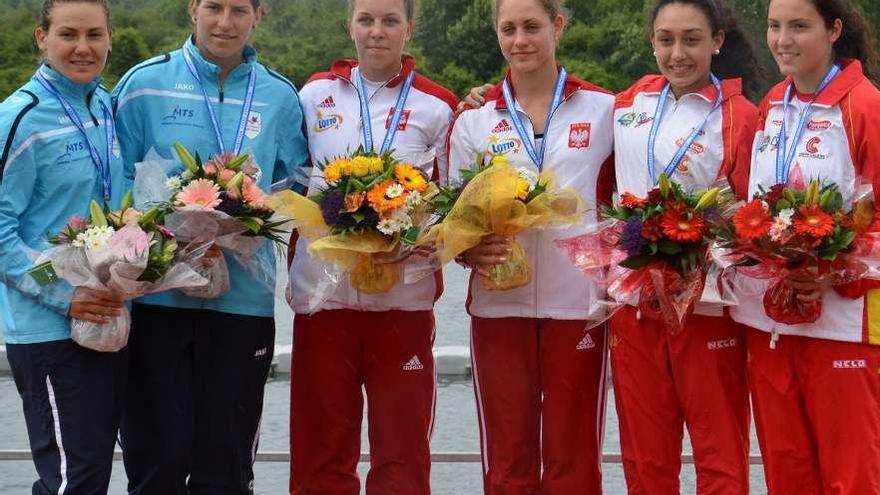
(372, 208)
(651, 252)
(788, 234)
(216, 201)
(497, 198)
(122, 251)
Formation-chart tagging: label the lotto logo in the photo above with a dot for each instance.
(579, 135)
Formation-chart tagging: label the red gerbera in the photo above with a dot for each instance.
(630, 200)
(652, 230)
(752, 220)
(682, 225)
(655, 196)
(814, 222)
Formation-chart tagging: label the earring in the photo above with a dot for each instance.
(655, 53)
(717, 51)
(194, 20)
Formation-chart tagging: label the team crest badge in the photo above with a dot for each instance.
(579, 135)
(254, 125)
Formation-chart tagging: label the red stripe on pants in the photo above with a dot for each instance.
(817, 412)
(540, 387)
(335, 354)
(662, 382)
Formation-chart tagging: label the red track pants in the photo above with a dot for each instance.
(662, 382)
(817, 411)
(540, 387)
(335, 354)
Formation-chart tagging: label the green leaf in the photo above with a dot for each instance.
(666, 246)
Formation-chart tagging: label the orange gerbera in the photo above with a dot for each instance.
(814, 222)
(385, 197)
(353, 201)
(752, 220)
(411, 177)
(630, 200)
(682, 226)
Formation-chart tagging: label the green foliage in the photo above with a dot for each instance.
(605, 42)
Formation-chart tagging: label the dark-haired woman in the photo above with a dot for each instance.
(815, 386)
(58, 154)
(693, 123)
(199, 366)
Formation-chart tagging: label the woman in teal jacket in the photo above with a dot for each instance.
(57, 153)
(199, 365)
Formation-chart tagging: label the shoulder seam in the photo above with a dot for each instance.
(18, 118)
(281, 78)
(127, 77)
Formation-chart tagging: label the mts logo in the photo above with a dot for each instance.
(180, 112)
(75, 146)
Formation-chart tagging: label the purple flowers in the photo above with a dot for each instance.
(331, 206)
(631, 238)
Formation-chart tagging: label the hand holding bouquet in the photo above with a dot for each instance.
(651, 252)
(371, 208)
(124, 252)
(496, 198)
(803, 240)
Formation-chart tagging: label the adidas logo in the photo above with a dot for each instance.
(327, 103)
(502, 126)
(413, 364)
(586, 343)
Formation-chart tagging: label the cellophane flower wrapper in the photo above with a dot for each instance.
(800, 233)
(489, 204)
(157, 183)
(119, 266)
(666, 279)
(357, 249)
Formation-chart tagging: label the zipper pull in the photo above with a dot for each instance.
(221, 94)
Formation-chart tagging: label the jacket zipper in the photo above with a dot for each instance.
(89, 107)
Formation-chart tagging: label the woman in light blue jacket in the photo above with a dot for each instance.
(57, 153)
(199, 365)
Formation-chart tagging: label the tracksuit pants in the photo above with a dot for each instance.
(540, 389)
(72, 399)
(663, 382)
(336, 355)
(192, 419)
(817, 412)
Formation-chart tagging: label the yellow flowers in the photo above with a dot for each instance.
(411, 178)
(362, 166)
(359, 166)
(522, 189)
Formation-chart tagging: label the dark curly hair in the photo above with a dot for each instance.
(856, 40)
(737, 56)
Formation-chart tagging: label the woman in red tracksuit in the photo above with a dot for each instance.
(702, 128)
(539, 376)
(815, 386)
(381, 343)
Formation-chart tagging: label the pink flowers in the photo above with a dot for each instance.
(130, 241)
(200, 192)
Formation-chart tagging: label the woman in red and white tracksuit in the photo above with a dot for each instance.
(539, 376)
(696, 377)
(352, 340)
(815, 386)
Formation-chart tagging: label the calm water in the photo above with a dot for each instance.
(456, 425)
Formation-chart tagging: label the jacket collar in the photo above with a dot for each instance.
(729, 89)
(74, 92)
(572, 84)
(343, 69)
(850, 75)
(211, 70)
